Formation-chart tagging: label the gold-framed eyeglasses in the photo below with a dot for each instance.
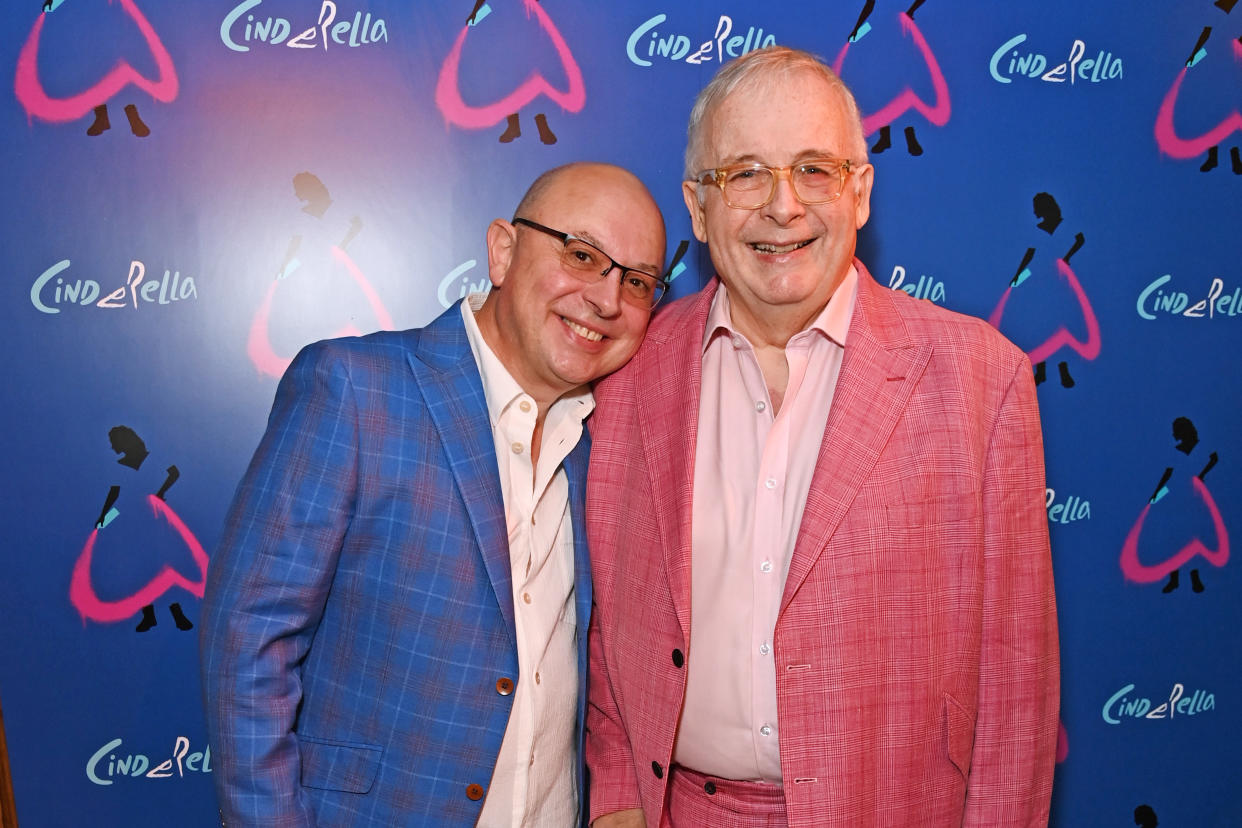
(587, 262)
(751, 186)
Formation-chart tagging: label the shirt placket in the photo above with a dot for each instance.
(518, 426)
(765, 562)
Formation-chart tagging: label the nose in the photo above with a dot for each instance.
(604, 294)
(784, 206)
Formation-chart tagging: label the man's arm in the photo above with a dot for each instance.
(614, 787)
(1019, 680)
(266, 588)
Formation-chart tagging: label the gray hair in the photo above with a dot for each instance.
(761, 66)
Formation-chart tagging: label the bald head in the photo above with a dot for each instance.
(554, 324)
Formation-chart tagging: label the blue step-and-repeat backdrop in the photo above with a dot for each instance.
(193, 190)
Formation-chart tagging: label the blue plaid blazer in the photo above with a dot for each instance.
(359, 610)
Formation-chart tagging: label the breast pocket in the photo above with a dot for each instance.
(338, 766)
(938, 511)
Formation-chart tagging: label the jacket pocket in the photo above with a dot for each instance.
(338, 766)
(938, 511)
(959, 734)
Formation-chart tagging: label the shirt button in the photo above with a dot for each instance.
(504, 686)
(709, 787)
(770, 483)
(657, 770)
(474, 792)
(517, 448)
(537, 679)
(766, 566)
(761, 406)
(764, 649)
(678, 658)
(524, 405)
(737, 342)
(526, 597)
(766, 730)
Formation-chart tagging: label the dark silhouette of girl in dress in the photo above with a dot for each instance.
(126, 442)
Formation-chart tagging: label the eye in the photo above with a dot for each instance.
(745, 174)
(582, 256)
(636, 284)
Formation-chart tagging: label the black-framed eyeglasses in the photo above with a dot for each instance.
(751, 186)
(588, 263)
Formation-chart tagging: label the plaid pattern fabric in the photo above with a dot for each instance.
(916, 646)
(359, 611)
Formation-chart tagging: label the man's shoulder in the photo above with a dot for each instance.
(445, 333)
(374, 348)
(681, 319)
(950, 332)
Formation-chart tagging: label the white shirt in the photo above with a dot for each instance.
(533, 783)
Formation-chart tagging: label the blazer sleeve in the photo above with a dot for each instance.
(1013, 760)
(614, 787)
(267, 584)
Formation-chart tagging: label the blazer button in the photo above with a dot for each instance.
(474, 792)
(709, 787)
(678, 658)
(657, 770)
(504, 686)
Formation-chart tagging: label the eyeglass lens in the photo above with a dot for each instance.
(589, 263)
(812, 183)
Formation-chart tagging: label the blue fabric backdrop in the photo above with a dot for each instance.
(194, 190)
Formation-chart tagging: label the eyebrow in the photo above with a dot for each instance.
(805, 155)
(590, 238)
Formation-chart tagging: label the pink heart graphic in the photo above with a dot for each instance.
(259, 345)
(1143, 574)
(457, 111)
(36, 102)
(937, 114)
(90, 605)
(1062, 338)
(1166, 134)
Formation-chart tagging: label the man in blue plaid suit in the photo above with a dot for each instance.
(394, 629)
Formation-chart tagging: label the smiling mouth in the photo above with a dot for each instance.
(778, 249)
(585, 333)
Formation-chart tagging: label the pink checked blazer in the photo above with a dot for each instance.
(916, 646)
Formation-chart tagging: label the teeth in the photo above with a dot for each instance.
(585, 333)
(779, 248)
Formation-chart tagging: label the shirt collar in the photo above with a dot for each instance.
(500, 389)
(833, 321)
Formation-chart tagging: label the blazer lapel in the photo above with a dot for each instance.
(576, 471)
(448, 377)
(668, 410)
(880, 370)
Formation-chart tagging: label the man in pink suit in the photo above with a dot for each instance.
(823, 585)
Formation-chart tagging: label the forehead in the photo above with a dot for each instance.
(778, 120)
(606, 208)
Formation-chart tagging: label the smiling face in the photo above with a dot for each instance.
(781, 262)
(553, 331)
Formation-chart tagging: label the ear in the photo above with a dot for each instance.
(501, 248)
(698, 219)
(862, 195)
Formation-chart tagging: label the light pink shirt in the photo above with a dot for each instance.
(752, 473)
(533, 783)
